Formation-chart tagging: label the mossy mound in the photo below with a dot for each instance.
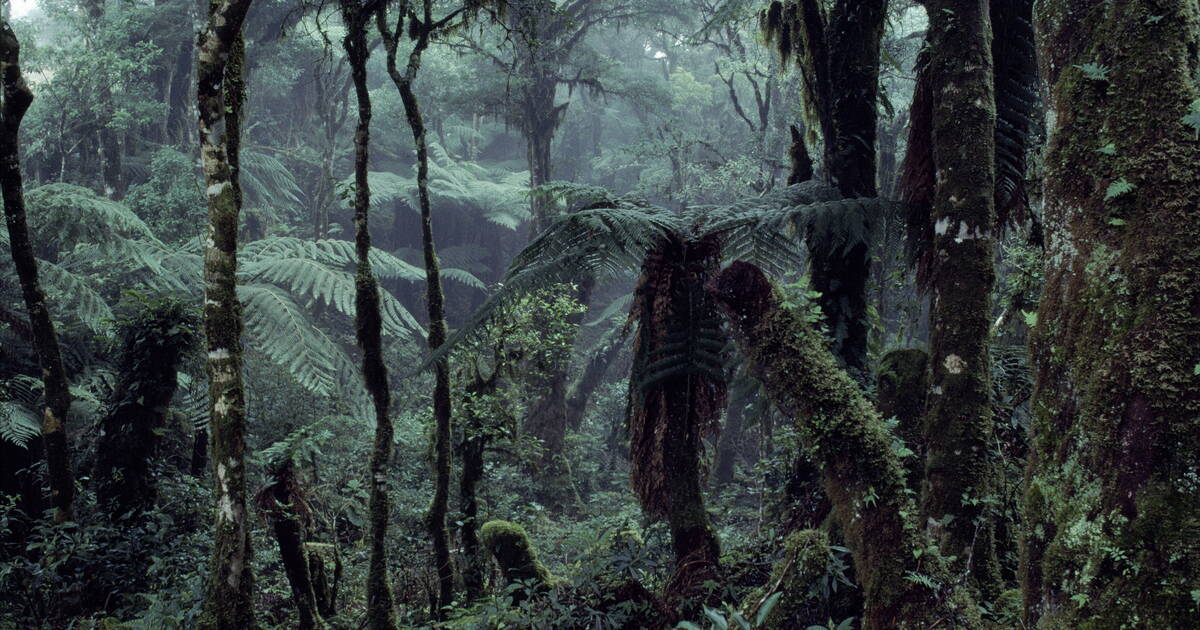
(509, 545)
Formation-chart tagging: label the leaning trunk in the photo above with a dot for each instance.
(17, 98)
(284, 506)
(229, 604)
(860, 472)
(1111, 530)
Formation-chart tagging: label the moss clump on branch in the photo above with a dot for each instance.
(510, 546)
(805, 560)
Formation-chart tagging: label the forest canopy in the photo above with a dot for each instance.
(600, 314)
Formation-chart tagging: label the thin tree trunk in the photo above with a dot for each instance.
(368, 324)
(283, 503)
(1111, 533)
(229, 604)
(17, 98)
(860, 472)
(422, 27)
(958, 415)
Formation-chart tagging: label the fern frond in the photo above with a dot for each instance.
(330, 252)
(280, 329)
(266, 181)
(19, 424)
(334, 287)
(74, 294)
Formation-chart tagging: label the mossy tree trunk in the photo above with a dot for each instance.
(369, 323)
(229, 604)
(900, 389)
(284, 505)
(16, 100)
(958, 414)
(1111, 536)
(860, 472)
(421, 26)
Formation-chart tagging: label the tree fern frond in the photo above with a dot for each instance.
(74, 294)
(280, 329)
(19, 424)
(463, 276)
(266, 181)
(334, 287)
(64, 215)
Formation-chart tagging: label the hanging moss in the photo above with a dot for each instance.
(510, 546)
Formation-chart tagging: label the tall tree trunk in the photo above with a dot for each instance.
(421, 27)
(958, 415)
(474, 443)
(369, 323)
(17, 98)
(229, 603)
(839, 56)
(860, 472)
(1111, 532)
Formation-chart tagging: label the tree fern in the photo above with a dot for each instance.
(611, 236)
(266, 181)
(77, 297)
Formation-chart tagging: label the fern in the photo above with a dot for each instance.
(281, 330)
(612, 236)
(74, 294)
(19, 424)
(266, 181)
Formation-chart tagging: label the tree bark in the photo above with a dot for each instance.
(421, 27)
(229, 602)
(860, 472)
(674, 407)
(1111, 534)
(369, 323)
(17, 98)
(958, 416)
(839, 56)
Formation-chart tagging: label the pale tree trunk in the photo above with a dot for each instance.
(421, 27)
(17, 98)
(220, 51)
(958, 416)
(368, 324)
(1111, 499)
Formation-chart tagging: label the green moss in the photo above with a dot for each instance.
(1111, 540)
(510, 546)
(805, 560)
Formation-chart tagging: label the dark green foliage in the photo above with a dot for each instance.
(154, 339)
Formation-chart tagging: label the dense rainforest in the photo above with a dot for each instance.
(600, 314)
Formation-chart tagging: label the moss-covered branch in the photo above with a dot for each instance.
(862, 475)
